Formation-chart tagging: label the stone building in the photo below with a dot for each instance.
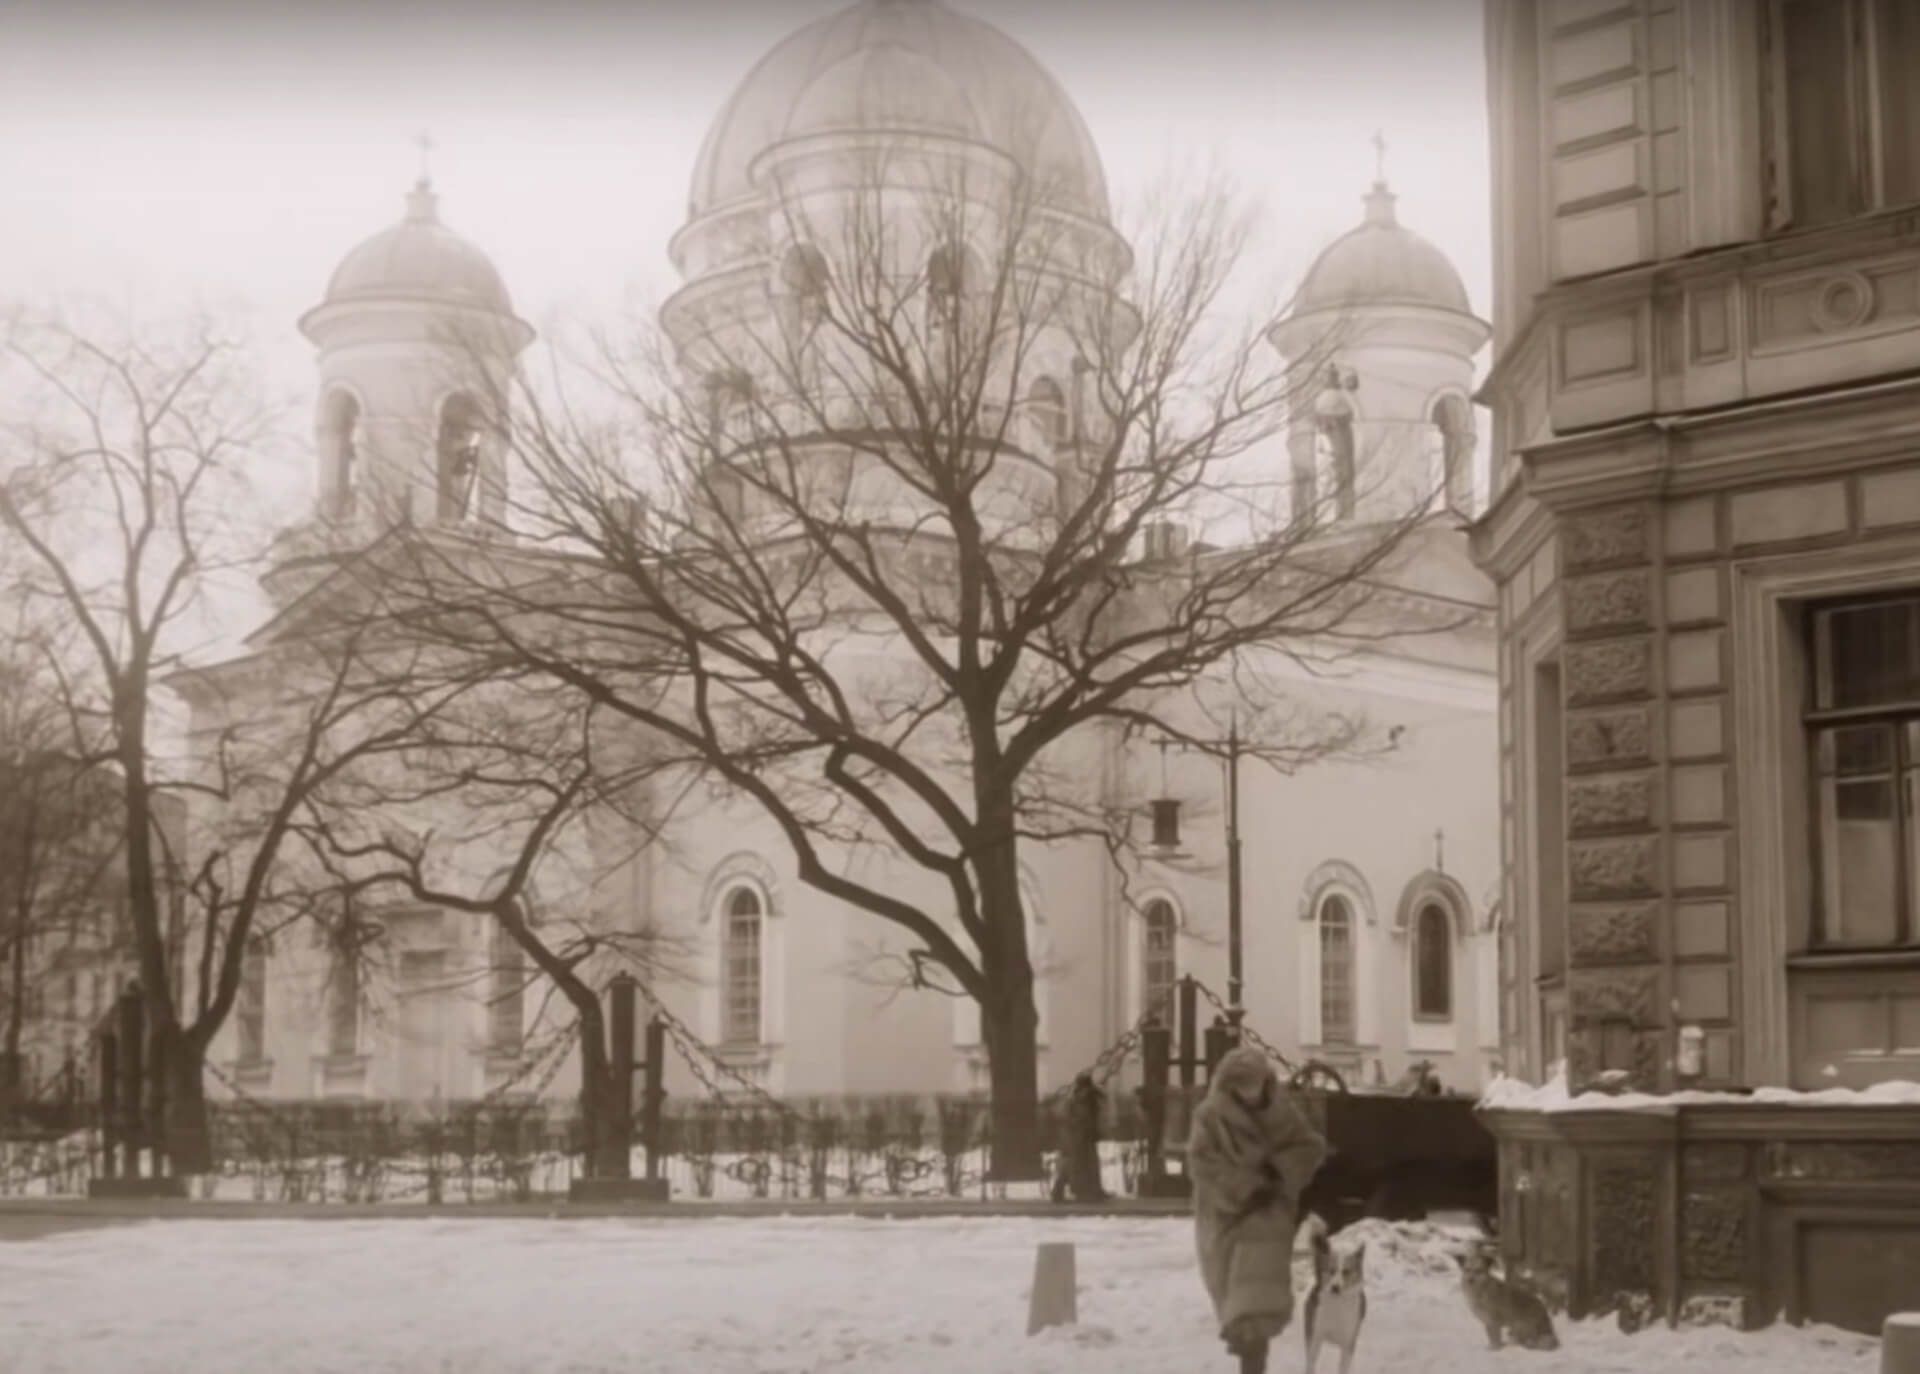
(1370, 888)
(1706, 535)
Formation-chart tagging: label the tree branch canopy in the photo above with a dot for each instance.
(884, 540)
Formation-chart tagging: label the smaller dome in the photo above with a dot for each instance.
(1381, 262)
(420, 259)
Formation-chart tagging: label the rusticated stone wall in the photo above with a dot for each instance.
(1616, 861)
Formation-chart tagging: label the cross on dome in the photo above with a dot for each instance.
(424, 142)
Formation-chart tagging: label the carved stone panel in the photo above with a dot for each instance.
(1623, 1202)
(1602, 870)
(1718, 1161)
(1608, 670)
(1608, 601)
(1713, 1233)
(1605, 538)
(1823, 1160)
(1611, 801)
(1556, 1203)
(1615, 994)
(1621, 735)
(1612, 935)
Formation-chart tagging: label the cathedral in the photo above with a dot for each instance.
(1371, 918)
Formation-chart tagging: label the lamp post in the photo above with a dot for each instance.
(1236, 1008)
(1166, 837)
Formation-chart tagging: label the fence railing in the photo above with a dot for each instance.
(735, 1141)
(792, 1149)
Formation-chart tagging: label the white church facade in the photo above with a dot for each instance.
(1370, 912)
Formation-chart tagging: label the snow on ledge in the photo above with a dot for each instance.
(1514, 1095)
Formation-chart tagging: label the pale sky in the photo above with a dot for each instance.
(229, 153)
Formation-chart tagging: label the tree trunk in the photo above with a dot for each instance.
(186, 1130)
(1009, 1023)
(12, 1072)
(1009, 1026)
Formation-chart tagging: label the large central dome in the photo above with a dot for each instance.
(911, 66)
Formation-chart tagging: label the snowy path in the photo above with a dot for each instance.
(787, 1296)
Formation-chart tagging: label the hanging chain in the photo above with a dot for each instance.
(1247, 1032)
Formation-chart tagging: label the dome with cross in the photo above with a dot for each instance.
(420, 259)
(1381, 262)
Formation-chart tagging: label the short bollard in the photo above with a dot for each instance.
(1055, 1299)
(1900, 1344)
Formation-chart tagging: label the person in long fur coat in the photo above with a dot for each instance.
(1250, 1155)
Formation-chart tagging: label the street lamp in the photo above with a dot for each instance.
(1166, 839)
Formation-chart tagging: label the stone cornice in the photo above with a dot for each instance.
(1753, 443)
(1848, 244)
(1509, 531)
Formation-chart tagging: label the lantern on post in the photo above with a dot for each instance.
(1165, 810)
(1166, 824)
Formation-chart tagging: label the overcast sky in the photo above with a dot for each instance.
(154, 152)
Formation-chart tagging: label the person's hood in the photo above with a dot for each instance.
(1244, 1072)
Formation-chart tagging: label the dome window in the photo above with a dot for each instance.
(457, 455)
(1048, 404)
(1453, 453)
(804, 280)
(1333, 415)
(340, 443)
(729, 392)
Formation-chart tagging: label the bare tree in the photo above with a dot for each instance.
(58, 847)
(124, 466)
(903, 541)
(514, 791)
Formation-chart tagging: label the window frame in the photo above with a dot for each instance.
(343, 1005)
(731, 1033)
(1170, 956)
(506, 992)
(1863, 86)
(1349, 925)
(1817, 721)
(250, 1005)
(1419, 942)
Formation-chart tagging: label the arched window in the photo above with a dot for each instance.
(457, 459)
(251, 1004)
(506, 992)
(1048, 403)
(740, 943)
(1335, 462)
(1336, 970)
(340, 452)
(947, 273)
(1159, 965)
(1433, 964)
(343, 998)
(1453, 453)
(804, 280)
(729, 392)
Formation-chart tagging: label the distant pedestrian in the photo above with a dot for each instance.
(1250, 1155)
(1079, 1173)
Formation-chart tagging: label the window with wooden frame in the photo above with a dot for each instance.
(1863, 735)
(343, 1004)
(507, 993)
(1337, 981)
(1432, 964)
(741, 988)
(1159, 969)
(251, 1011)
(1843, 108)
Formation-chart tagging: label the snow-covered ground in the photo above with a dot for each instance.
(774, 1296)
